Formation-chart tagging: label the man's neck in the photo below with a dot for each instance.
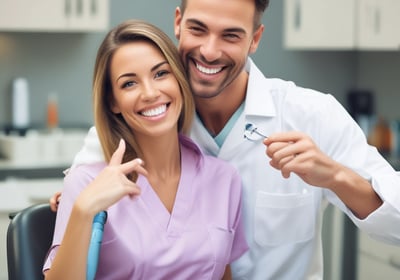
(215, 112)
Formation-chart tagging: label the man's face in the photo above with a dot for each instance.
(215, 39)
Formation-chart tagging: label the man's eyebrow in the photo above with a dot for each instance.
(197, 22)
(228, 30)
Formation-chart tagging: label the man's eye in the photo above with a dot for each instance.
(196, 30)
(232, 36)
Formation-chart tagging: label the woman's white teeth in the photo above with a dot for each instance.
(208, 70)
(155, 111)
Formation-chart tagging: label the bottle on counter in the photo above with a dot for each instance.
(381, 137)
(52, 112)
(20, 105)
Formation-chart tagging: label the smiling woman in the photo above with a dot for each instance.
(170, 213)
(143, 90)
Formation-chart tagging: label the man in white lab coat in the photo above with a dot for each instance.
(314, 153)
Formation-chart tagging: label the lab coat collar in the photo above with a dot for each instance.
(259, 107)
(201, 136)
(259, 101)
(235, 138)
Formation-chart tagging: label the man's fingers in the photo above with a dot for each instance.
(289, 136)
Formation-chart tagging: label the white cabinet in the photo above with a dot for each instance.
(377, 260)
(378, 25)
(54, 15)
(319, 24)
(342, 24)
(15, 195)
(88, 15)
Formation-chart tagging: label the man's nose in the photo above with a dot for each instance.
(210, 49)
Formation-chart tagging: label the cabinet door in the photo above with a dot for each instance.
(27, 15)
(54, 15)
(370, 268)
(319, 24)
(88, 15)
(377, 260)
(378, 25)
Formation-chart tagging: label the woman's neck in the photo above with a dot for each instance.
(161, 155)
(162, 160)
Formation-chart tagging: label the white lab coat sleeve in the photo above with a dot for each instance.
(91, 152)
(384, 223)
(348, 146)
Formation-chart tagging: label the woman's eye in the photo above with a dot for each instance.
(128, 84)
(161, 73)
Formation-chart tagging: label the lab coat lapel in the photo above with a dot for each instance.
(234, 139)
(259, 107)
(200, 135)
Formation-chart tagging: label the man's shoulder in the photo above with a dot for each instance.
(91, 151)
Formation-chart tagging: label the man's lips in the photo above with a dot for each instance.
(207, 70)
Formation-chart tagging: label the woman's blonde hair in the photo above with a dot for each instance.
(112, 127)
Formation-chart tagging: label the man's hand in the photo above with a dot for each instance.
(296, 152)
(54, 200)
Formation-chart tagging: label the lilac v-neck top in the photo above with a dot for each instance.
(143, 240)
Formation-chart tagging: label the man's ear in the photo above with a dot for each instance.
(256, 39)
(177, 23)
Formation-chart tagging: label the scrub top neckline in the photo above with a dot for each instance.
(171, 223)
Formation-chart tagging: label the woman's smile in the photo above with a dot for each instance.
(153, 112)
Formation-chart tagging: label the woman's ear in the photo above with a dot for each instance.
(114, 107)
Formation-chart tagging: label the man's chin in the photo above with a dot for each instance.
(204, 89)
(205, 94)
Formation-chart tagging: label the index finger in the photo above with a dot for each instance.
(118, 155)
(289, 136)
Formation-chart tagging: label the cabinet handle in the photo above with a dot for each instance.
(67, 7)
(297, 15)
(377, 20)
(394, 262)
(93, 7)
(79, 7)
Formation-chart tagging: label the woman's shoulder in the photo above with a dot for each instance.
(81, 175)
(86, 169)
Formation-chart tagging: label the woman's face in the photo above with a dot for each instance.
(145, 90)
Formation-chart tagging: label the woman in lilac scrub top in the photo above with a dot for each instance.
(173, 212)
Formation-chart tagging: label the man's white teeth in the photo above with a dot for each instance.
(208, 70)
(155, 111)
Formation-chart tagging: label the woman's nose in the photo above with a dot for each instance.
(150, 92)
